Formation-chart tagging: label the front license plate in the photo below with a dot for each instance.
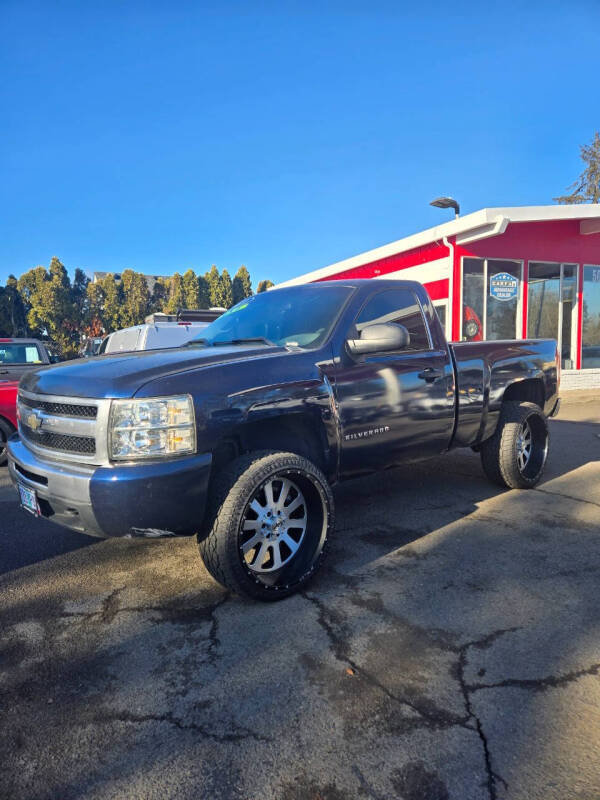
(29, 500)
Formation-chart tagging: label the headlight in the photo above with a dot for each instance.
(151, 428)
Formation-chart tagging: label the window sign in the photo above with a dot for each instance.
(504, 286)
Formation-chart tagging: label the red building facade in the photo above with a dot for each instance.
(504, 273)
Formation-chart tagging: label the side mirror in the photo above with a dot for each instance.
(379, 338)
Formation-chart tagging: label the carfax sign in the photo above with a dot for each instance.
(504, 286)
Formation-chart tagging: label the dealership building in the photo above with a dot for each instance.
(504, 273)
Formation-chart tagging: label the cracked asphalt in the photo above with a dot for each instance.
(450, 649)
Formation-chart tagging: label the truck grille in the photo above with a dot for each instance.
(60, 409)
(61, 441)
(64, 425)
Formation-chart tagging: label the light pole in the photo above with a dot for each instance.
(446, 202)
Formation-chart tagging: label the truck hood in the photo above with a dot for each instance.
(124, 374)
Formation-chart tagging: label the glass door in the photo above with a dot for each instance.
(552, 307)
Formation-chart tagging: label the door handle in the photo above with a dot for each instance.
(3, 372)
(430, 374)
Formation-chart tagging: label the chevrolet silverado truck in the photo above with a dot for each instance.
(238, 436)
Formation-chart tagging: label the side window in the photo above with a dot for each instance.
(400, 306)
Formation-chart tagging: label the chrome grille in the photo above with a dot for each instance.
(61, 409)
(61, 441)
(69, 428)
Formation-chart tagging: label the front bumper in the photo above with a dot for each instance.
(142, 499)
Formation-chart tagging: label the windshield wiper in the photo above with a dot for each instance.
(248, 340)
(201, 342)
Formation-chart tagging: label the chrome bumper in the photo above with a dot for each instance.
(63, 490)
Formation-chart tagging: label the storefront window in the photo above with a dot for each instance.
(501, 318)
(473, 299)
(491, 296)
(590, 356)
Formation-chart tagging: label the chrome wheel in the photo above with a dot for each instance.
(524, 444)
(273, 525)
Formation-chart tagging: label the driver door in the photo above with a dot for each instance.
(394, 406)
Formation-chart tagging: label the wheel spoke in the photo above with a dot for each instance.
(298, 501)
(252, 524)
(291, 543)
(251, 543)
(276, 556)
(285, 490)
(261, 556)
(256, 507)
(269, 494)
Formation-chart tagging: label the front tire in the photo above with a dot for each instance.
(515, 456)
(267, 525)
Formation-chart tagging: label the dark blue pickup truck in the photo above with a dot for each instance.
(238, 436)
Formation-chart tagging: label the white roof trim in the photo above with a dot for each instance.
(478, 225)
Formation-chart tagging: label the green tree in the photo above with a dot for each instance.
(203, 292)
(226, 290)
(191, 289)
(176, 294)
(586, 189)
(33, 290)
(213, 279)
(242, 285)
(79, 294)
(264, 285)
(12, 310)
(136, 298)
(113, 302)
(93, 321)
(160, 295)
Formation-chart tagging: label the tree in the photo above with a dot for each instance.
(203, 292)
(113, 302)
(79, 294)
(264, 285)
(176, 294)
(586, 188)
(136, 298)
(242, 285)
(160, 295)
(12, 311)
(191, 289)
(94, 318)
(213, 280)
(226, 290)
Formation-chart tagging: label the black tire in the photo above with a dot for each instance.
(242, 484)
(6, 430)
(503, 456)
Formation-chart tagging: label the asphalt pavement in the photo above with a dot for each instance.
(449, 649)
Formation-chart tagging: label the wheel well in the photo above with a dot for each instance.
(530, 390)
(293, 433)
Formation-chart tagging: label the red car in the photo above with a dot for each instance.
(8, 414)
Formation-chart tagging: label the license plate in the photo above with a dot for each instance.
(29, 500)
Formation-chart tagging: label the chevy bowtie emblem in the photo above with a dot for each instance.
(33, 421)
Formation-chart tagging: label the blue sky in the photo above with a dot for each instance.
(167, 135)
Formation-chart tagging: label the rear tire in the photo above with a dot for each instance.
(268, 522)
(6, 431)
(515, 456)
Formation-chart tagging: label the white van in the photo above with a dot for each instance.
(160, 330)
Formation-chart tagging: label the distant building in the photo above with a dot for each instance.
(150, 279)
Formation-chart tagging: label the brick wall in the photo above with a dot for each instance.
(572, 379)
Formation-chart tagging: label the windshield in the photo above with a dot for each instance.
(301, 316)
